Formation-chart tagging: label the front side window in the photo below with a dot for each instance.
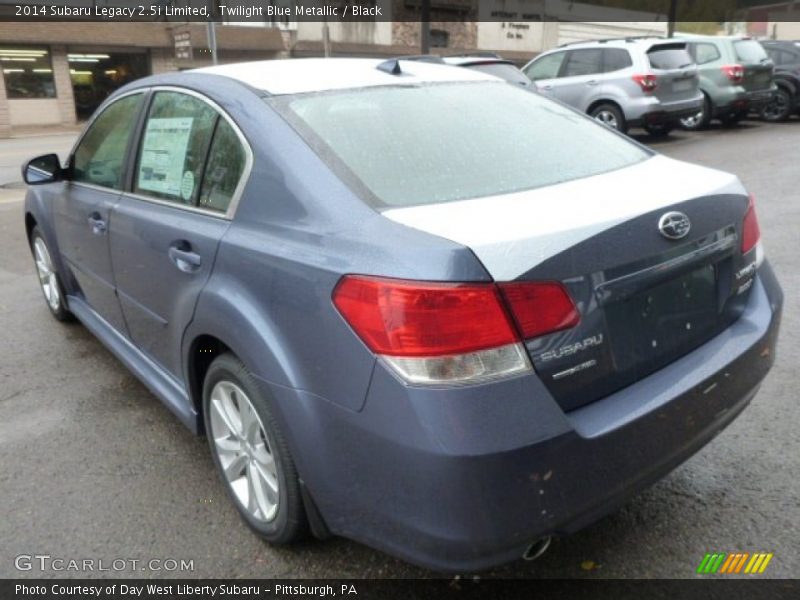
(425, 144)
(584, 62)
(100, 156)
(28, 72)
(546, 67)
(174, 147)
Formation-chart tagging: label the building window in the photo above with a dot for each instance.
(28, 72)
(439, 38)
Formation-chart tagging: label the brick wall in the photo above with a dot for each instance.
(461, 34)
(66, 99)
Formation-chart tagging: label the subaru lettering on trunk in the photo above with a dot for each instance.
(409, 303)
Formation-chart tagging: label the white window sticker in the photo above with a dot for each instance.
(187, 185)
(161, 168)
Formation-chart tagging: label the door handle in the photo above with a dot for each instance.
(181, 254)
(592, 82)
(97, 224)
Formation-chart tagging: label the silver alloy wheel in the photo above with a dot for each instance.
(47, 274)
(244, 451)
(606, 117)
(693, 121)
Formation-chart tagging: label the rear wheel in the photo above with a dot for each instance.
(659, 130)
(609, 115)
(49, 280)
(251, 453)
(779, 108)
(699, 120)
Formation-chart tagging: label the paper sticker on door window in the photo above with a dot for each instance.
(187, 185)
(161, 167)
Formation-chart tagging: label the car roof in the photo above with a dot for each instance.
(465, 61)
(629, 42)
(301, 75)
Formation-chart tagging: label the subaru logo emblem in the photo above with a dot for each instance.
(674, 225)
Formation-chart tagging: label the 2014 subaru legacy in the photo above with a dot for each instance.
(408, 303)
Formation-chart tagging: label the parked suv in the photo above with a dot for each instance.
(632, 82)
(735, 78)
(786, 100)
(408, 303)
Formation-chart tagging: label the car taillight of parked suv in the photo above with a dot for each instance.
(633, 82)
(735, 78)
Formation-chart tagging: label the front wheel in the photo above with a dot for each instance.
(49, 280)
(779, 108)
(611, 116)
(251, 453)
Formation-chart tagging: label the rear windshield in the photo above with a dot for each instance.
(669, 57)
(425, 144)
(749, 51)
(502, 70)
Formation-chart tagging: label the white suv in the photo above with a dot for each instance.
(631, 82)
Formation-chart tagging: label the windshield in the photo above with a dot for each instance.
(749, 51)
(425, 144)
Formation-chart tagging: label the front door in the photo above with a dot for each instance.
(165, 234)
(84, 207)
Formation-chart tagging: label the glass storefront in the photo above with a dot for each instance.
(95, 75)
(28, 72)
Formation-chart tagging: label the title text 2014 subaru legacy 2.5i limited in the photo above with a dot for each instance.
(408, 303)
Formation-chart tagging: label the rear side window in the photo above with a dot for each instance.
(584, 62)
(546, 67)
(100, 156)
(226, 162)
(174, 146)
(705, 53)
(425, 144)
(616, 59)
(667, 57)
(749, 51)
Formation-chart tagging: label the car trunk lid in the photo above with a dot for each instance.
(675, 71)
(644, 299)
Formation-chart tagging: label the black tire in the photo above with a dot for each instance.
(289, 523)
(701, 120)
(56, 304)
(659, 130)
(610, 115)
(779, 108)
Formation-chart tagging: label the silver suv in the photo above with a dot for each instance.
(632, 82)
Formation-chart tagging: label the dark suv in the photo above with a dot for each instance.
(786, 56)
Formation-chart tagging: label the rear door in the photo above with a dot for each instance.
(676, 72)
(83, 209)
(165, 233)
(580, 77)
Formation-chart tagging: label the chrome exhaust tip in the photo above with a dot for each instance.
(537, 548)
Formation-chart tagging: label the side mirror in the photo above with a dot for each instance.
(42, 169)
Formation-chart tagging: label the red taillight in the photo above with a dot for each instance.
(734, 72)
(540, 307)
(647, 82)
(401, 318)
(410, 318)
(750, 230)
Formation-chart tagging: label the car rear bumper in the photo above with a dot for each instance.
(741, 100)
(652, 111)
(465, 479)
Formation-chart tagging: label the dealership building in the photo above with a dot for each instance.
(57, 73)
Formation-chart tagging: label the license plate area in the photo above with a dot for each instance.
(682, 85)
(656, 325)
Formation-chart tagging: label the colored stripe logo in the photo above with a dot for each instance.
(735, 563)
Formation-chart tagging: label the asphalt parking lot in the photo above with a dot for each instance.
(93, 466)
